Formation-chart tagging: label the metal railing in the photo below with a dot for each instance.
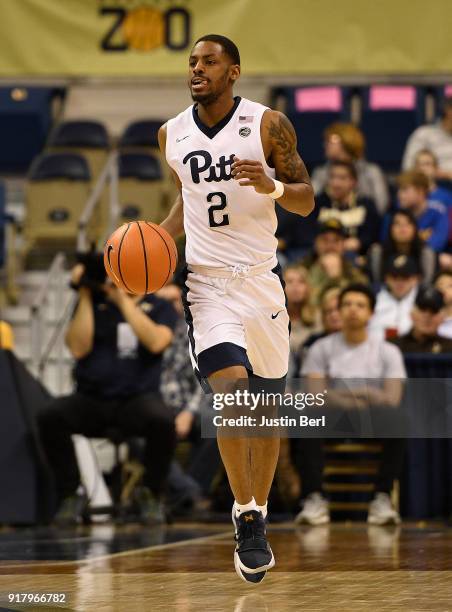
(109, 174)
(55, 281)
(40, 352)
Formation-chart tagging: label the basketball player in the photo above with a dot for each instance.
(232, 159)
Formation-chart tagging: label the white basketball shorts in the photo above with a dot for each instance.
(237, 320)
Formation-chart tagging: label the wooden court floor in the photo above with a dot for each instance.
(185, 568)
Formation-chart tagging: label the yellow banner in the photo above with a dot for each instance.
(153, 37)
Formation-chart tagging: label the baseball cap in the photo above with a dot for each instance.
(430, 299)
(331, 225)
(401, 265)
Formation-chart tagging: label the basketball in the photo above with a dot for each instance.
(140, 257)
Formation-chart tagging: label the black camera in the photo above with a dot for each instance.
(94, 275)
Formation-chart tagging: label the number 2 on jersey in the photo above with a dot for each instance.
(221, 206)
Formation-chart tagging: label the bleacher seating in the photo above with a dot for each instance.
(142, 188)
(390, 113)
(387, 114)
(350, 469)
(56, 193)
(25, 120)
(311, 110)
(87, 138)
(141, 137)
(142, 133)
(59, 185)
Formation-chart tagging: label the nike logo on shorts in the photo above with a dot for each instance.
(274, 316)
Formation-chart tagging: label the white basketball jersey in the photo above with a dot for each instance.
(225, 224)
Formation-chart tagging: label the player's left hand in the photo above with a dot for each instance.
(250, 173)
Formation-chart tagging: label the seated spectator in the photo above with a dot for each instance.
(345, 142)
(438, 139)
(427, 315)
(6, 336)
(403, 239)
(392, 316)
(189, 488)
(117, 341)
(352, 354)
(327, 263)
(331, 321)
(357, 214)
(302, 313)
(426, 162)
(443, 283)
(431, 217)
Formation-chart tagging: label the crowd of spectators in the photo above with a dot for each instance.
(367, 277)
(389, 237)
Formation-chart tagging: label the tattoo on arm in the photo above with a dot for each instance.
(289, 165)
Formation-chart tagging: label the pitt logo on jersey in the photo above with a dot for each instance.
(201, 162)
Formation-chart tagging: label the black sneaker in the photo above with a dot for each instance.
(253, 578)
(150, 509)
(71, 511)
(253, 554)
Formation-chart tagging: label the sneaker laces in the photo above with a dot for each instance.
(250, 530)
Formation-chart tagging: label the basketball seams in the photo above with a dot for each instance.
(119, 259)
(146, 273)
(128, 259)
(167, 248)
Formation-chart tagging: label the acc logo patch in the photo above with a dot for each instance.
(244, 132)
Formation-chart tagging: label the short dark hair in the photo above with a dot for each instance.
(441, 273)
(358, 288)
(229, 47)
(351, 168)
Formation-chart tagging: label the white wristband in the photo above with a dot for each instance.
(278, 191)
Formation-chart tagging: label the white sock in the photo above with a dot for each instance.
(263, 509)
(239, 508)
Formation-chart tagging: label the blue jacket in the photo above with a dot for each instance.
(433, 226)
(441, 195)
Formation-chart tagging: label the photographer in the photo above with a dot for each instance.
(117, 340)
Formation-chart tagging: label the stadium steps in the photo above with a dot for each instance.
(351, 447)
(349, 476)
(336, 487)
(349, 506)
(342, 469)
(19, 318)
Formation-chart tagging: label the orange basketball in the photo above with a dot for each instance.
(140, 257)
